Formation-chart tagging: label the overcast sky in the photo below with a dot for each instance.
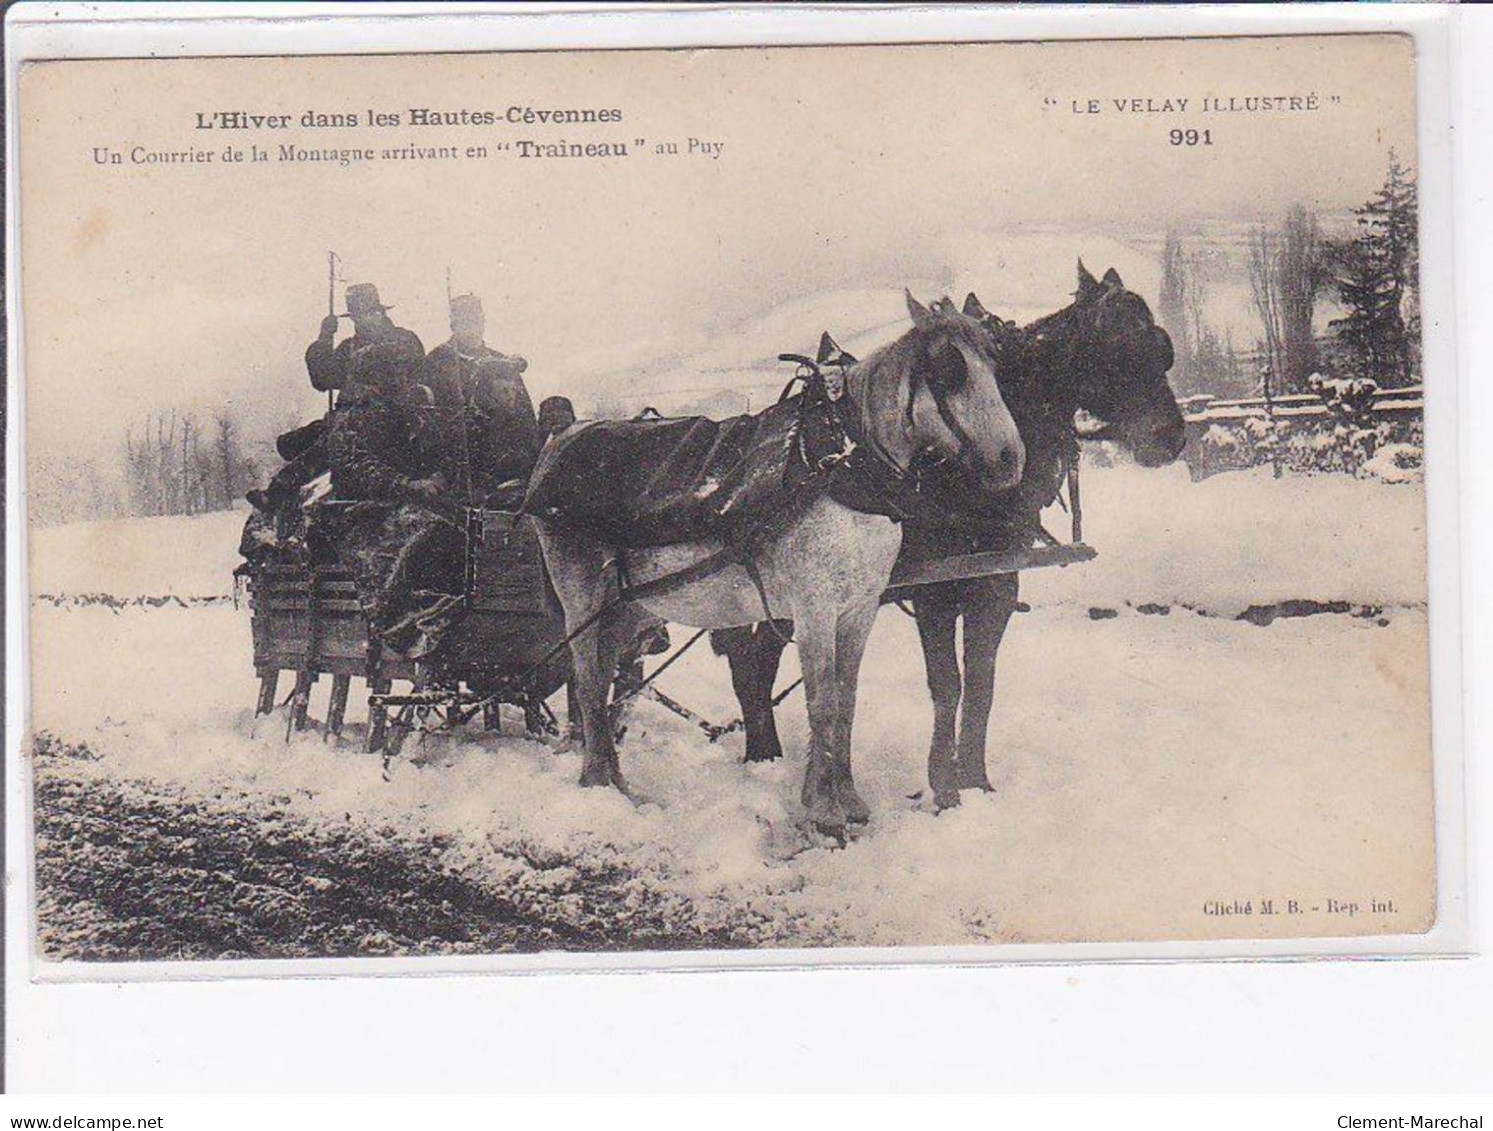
(842, 171)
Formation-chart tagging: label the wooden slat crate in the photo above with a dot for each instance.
(310, 620)
(505, 569)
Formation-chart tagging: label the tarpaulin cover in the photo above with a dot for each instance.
(656, 482)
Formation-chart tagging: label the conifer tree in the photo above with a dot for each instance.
(1376, 278)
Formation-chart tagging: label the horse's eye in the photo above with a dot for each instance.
(947, 371)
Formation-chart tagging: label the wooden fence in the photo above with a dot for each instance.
(1300, 431)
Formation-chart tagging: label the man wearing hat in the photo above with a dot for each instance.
(487, 434)
(399, 538)
(451, 368)
(378, 352)
(387, 358)
(555, 415)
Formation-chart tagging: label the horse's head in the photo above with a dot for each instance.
(1121, 358)
(949, 410)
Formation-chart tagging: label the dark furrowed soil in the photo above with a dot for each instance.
(130, 871)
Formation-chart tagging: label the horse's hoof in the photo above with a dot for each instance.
(945, 799)
(827, 816)
(835, 833)
(857, 812)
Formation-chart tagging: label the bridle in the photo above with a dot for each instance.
(925, 460)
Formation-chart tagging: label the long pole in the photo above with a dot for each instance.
(331, 302)
(462, 416)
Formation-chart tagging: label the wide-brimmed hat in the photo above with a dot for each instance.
(362, 298)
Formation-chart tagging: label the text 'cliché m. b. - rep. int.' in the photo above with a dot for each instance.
(1286, 906)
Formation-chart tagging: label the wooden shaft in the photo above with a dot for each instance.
(378, 717)
(331, 303)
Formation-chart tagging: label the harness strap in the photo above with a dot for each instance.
(966, 442)
(749, 563)
(737, 550)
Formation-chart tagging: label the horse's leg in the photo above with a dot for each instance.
(575, 725)
(620, 633)
(762, 652)
(988, 607)
(754, 654)
(768, 641)
(937, 609)
(578, 572)
(816, 650)
(737, 646)
(851, 633)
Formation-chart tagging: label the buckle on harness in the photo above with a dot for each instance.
(835, 459)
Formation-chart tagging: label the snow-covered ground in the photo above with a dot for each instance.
(1146, 763)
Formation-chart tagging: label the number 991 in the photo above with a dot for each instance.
(1190, 137)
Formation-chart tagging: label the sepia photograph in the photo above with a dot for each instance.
(840, 500)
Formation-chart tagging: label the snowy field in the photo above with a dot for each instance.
(1170, 730)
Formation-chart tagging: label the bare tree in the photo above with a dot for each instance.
(64, 486)
(1300, 275)
(1286, 274)
(186, 472)
(150, 469)
(173, 465)
(232, 472)
(1263, 257)
(1172, 305)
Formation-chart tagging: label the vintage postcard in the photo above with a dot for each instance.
(820, 499)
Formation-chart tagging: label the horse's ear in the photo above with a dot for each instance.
(1088, 286)
(974, 308)
(1112, 278)
(921, 316)
(827, 349)
(830, 352)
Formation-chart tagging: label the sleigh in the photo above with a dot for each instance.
(509, 647)
(504, 649)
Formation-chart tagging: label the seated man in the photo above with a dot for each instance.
(451, 368)
(402, 541)
(503, 436)
(375, 341)
(484, 432)
(378, 350)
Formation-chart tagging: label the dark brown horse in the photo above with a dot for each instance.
(1104, 354)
